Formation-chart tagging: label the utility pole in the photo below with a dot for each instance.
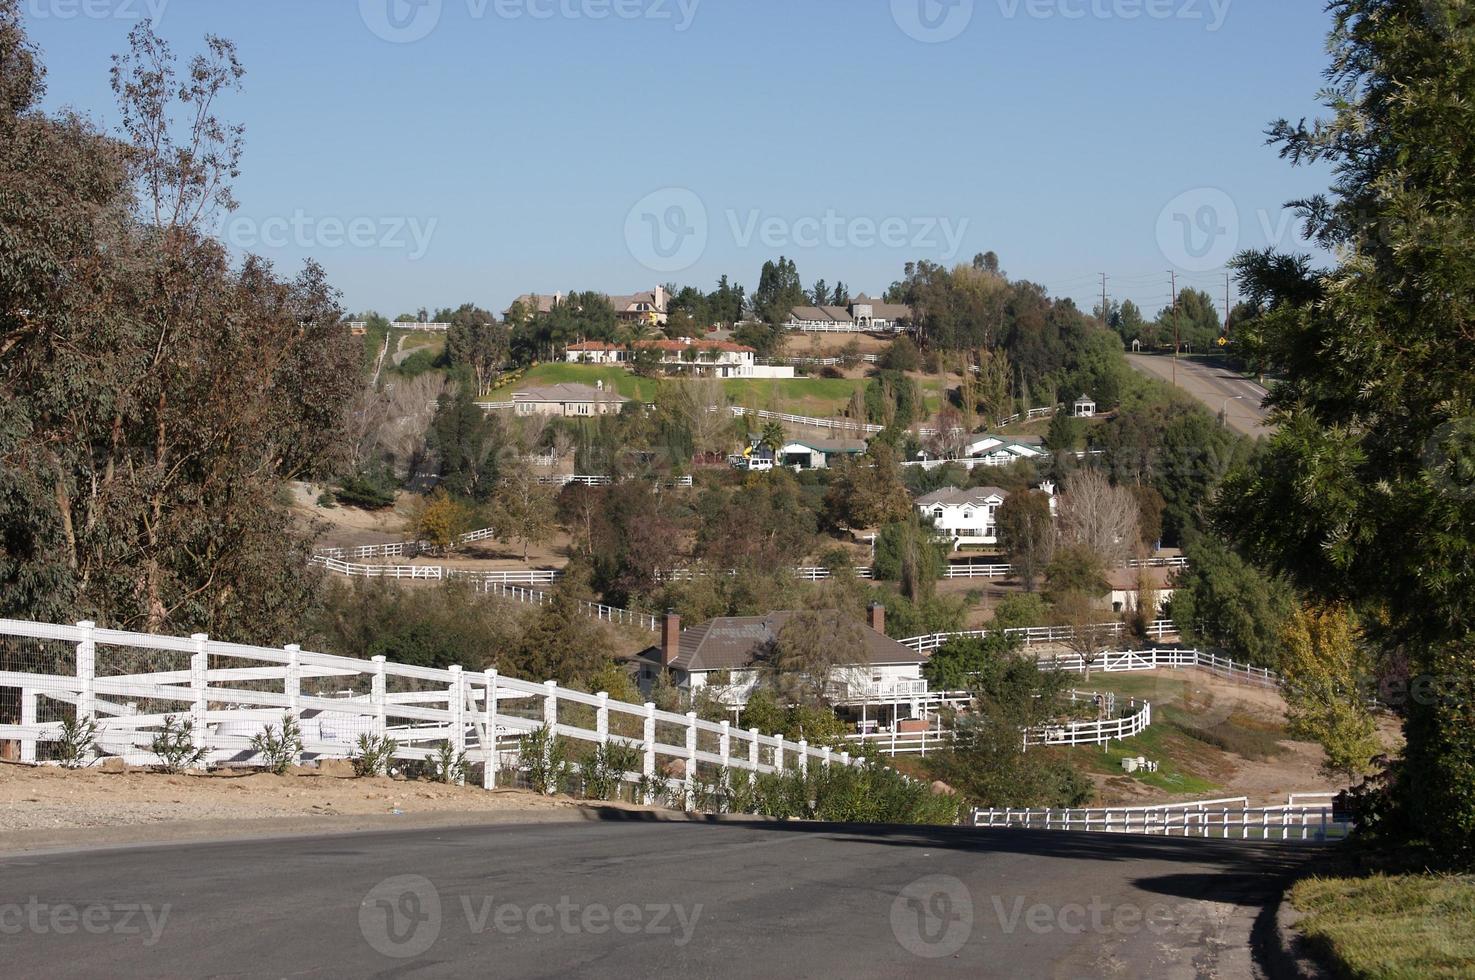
(1104, 318)
(1174, 274)
(1226, 307)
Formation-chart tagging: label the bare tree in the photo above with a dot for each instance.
(702, 403)
(1100, 516)
(1089, 637)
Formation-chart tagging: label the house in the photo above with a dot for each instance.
(570, 400)
(1084, 407)
(727, 656)
(862, 315)
(968, 516)
(703, 358)
(1126, 584)
(651, 308)
(818, 454)
(999, 451)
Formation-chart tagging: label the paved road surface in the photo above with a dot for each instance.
(638, 899)
(1219, 388)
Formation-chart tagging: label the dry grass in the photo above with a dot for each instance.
(1391, 926)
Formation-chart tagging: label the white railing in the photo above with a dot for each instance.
(1034, 413)
(841, 425)
(1139, 660)
(1037, 635)
(130, 683)
(1232, 819)
(354, 570)
(816, 361)
(1091, 732)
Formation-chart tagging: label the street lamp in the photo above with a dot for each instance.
(1224, 415)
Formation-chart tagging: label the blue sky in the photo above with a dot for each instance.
(533, 145)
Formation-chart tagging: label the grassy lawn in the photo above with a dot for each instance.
(1391, 926)
(1162, 744)
(627, 384)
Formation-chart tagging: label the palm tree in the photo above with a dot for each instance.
(773, 435)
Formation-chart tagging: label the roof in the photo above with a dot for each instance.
(830, 446)
(1126, 579)
(567, 393)
(962, 497)
(738, 642)
(822, 314)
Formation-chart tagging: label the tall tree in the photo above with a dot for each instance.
(152, 397)
(1027, 533)
(1366, 491)
(475, 339)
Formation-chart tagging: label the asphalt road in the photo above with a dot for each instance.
(1221, 389)
(636, 898)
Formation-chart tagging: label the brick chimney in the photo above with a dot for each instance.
(670, 638)
(876, 617)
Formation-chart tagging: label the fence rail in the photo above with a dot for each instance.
(1225, 819)
(130, 683)
(1037, 635)
(841, 425)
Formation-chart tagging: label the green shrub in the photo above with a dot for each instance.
(373, 755)
(606, 767)
(175, 745)
(279, 749)
(545, 755)
(78, 742)
(448, 765)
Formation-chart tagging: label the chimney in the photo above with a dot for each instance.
(876, 617)
(670, 638)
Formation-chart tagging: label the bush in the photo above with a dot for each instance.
(829, 371)
(279, 749)
(606, 768)
(175, 745)
(373, 755)
(545, 755)
(902, 355)
(78, 741)
(448, 765)
(364, 491)
(867, 793)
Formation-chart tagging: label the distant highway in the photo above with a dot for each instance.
(1220, 389)
(644, 899)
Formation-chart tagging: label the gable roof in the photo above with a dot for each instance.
(566, 392)
(741, 642)
(962, 497)
(830, 447)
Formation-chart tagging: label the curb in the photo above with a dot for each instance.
(1286, 956)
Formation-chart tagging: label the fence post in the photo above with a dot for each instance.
(601, 717)
(691, 755)
(489, 746)
(550, 706)
(457, 697)
(28, 714)
(803, 757)
(752, 755)
(826, 757)
(845, 759)
(378, 695)
(292, 686)
(648, 762)
(199, 664)
(778, 752)
(724, 744)
(86, 671)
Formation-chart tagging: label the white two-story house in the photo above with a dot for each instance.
(968, 516)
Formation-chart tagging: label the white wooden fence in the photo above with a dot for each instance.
(1065, 733)
(1231, 819)
(840, 425)
(130, 683)
(1038, 635)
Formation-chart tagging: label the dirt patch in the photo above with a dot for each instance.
(47, 798)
